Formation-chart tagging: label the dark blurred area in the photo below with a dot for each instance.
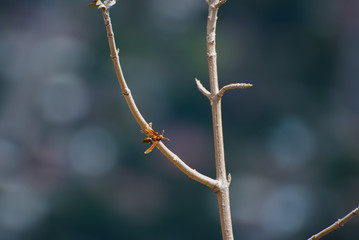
(71, 159)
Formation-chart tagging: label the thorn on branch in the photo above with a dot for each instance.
(233, 86)
(202, 89)
(229, 178)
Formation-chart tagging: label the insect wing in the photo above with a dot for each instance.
(150, 132)
(151, 148)
(147, 140)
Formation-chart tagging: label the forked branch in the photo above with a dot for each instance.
(211, 97)
(221, 184)
(336, 225)
(192, 173)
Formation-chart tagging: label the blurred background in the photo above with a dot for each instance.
(71, 159)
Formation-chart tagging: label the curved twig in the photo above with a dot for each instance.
(233, 86)
(202, 89)
(192, 173)
(336, 225)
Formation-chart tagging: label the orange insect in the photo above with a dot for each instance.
(153, 138)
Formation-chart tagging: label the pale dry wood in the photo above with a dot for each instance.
(208, 94)
(202, 89)
(192, 173)
(221, 184)
(223, 190)
(233, 86)
(336, 225)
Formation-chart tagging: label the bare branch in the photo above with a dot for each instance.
(336, 225)
(233, 86)
(192, 173)
(220, 185)
(202, 89)
(223, 191)
(121, 79)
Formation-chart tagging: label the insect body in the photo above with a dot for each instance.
(153, 138)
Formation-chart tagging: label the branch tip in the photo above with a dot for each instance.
(202, 89)
(233, 86)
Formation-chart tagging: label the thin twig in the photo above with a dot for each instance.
(233, 86)
(202, 89)
(121, 79)
(336, 225)
(192, 173)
